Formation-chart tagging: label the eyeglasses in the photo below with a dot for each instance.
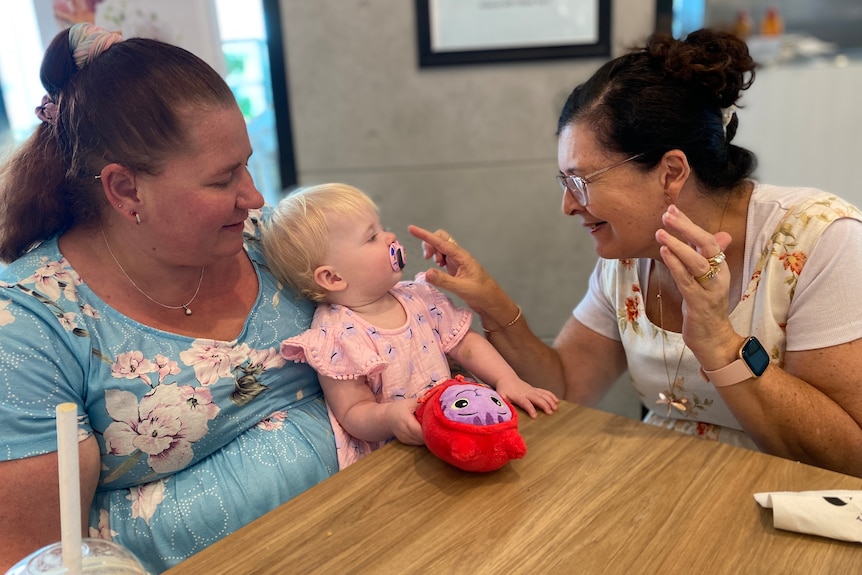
(577, 185)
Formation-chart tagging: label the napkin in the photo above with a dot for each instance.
(836, 514)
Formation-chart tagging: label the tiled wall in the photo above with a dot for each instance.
(470, 149)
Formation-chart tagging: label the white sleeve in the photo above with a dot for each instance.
(596, 310)
(825, 310)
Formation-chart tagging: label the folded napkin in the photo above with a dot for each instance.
(836, 514)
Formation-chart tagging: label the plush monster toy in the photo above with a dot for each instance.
(470, 426)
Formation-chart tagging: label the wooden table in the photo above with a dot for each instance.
(596, 493)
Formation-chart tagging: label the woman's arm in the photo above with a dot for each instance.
(580, 366)
(809, 409)
(358, 412)
(30, 495)
(478, 355)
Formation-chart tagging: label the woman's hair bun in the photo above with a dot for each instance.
(718, 62)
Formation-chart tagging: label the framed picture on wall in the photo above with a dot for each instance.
(455, 32)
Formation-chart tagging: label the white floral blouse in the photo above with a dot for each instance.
(784, 227)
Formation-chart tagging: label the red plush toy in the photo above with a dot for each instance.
(470, 426)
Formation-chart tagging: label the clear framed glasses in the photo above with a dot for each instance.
(577, 186)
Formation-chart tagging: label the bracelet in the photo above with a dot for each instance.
(517, 317)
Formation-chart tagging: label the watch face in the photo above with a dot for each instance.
(755, 356)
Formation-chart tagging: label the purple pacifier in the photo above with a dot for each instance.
(396, 256)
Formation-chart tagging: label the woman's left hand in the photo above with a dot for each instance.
(524, 395)
(695, 258)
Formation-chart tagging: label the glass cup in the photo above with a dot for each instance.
(99, 557)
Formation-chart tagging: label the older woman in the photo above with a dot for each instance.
(136, 289)
(731, 303)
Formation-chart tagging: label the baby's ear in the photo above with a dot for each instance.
(327, 278)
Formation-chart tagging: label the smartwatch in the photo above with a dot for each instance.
(753, 361)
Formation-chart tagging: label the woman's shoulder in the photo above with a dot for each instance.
(43, 282)
(776, 201)
(46, 253)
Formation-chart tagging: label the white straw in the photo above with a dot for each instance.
(70, 490)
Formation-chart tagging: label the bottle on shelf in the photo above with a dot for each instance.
(743, 25)
(772, 23)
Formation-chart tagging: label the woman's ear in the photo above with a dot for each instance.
(674, 172)
(118, 183)
(327, 278)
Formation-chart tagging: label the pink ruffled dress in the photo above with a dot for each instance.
(397, 363)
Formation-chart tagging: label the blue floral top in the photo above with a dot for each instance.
(198, 437)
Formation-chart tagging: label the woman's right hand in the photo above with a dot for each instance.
(464, 276)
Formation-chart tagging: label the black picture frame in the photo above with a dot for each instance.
(428, 57)
(280, 94)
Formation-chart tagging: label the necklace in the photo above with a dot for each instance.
(673, 398)
(675, 385)
(184, 306)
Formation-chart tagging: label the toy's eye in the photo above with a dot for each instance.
(497, 401)
(460, 403)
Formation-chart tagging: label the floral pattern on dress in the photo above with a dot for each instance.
(178, 420)
(674, 397)
(784, 257)
(163, 426)
(629, 314)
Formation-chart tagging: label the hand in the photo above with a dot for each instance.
(465, 277)
(686, 249)
(429, 249)
(400, 415)
(524, 395)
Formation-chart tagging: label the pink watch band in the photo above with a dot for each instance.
(736, 372)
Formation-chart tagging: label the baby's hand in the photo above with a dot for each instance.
(526, 396)
(401, 418)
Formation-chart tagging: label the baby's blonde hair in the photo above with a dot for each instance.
(296, 236)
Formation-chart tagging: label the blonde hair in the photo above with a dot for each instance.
(296, 236)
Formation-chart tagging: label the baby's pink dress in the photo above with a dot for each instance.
(397, 363)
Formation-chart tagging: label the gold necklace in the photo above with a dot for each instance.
(677, 384)
(184, 306)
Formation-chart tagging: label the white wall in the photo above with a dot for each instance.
(804, 122)
(471, 149)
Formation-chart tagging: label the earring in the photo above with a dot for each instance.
(137, 217)
(119, 205)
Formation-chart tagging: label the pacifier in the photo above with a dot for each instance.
(396, 256)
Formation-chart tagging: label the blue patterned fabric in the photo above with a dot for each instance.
(198, 437)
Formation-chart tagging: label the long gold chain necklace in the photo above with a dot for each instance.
(184, 306)
(677, 384)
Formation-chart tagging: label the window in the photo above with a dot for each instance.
(247, 31)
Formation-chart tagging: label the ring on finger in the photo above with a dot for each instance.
(713, 271)
(451, 239)
(716, 260)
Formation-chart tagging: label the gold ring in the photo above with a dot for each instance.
(717, 259)
(713, 271)
(451, 239)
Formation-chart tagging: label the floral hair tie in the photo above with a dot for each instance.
(48, 110)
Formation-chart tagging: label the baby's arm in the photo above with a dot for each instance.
(478, 355)
(356, 409)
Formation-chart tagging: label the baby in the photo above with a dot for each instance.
(376, 342)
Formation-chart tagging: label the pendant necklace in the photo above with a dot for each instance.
(184, 306)
(676, 384)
